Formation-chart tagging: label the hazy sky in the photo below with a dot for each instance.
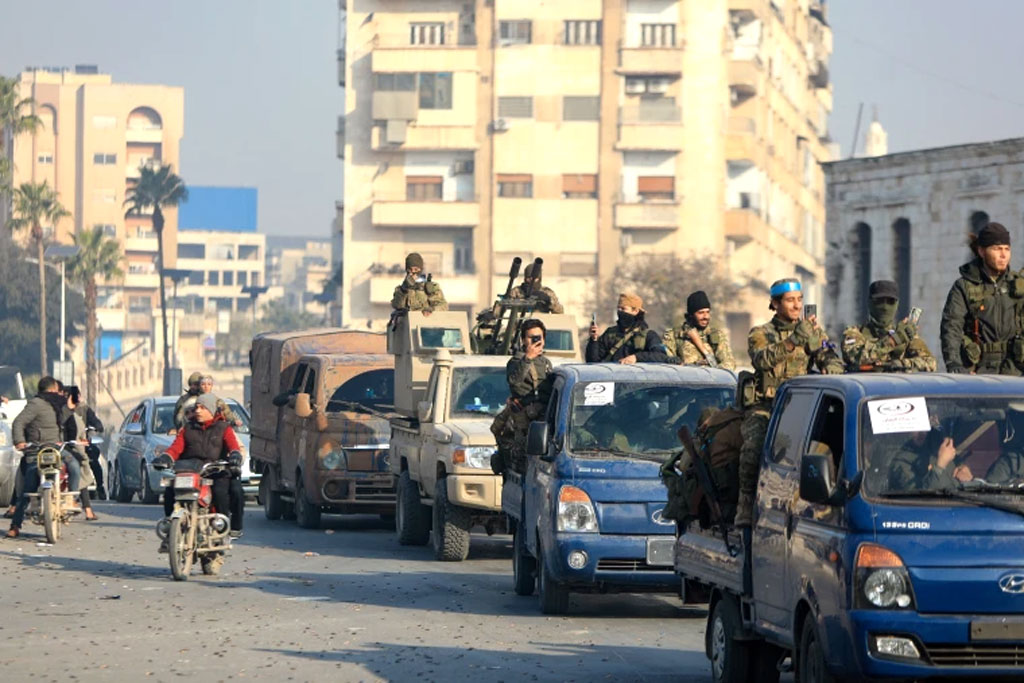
(262, 100)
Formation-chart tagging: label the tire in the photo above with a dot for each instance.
(179, 550)
(307, 513)
(273, 506)
(122, 494)
(212, 563)
(810, 667)
(146, 495)
(450, 535)
(554, 597)
(412, 518)
(51, 519)
(730, 658)
(524, 567)
(7, 491)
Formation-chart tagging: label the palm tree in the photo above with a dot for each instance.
(13, 121)
(156, 188)
(98, 257)
(34, 204)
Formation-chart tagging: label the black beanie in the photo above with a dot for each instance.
(697, 301)
(993, 234)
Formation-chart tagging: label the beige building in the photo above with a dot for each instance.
(296, 270)
(94, 136)
(582, 132)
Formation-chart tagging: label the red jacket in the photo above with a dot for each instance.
(230, 441)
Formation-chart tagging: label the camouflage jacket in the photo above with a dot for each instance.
(418, 297)
(872, 348)
(640, 341)
(527, 378)
(980, 320)
(679, 344)
(911, 470)
(774, 363)
(547, 300)
(1008, 468)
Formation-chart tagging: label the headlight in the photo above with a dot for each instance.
(882, 579)
(478, 457)
(575, 511)
(333, 460)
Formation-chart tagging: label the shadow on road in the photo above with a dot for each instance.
(119, 570)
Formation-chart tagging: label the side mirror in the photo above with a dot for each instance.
(302, 405)
(817, 480)
(423, 410)
(134, 429)
(281, 400)
(537, 439)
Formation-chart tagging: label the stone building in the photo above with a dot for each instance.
(906, 217)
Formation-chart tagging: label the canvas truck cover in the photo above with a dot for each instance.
(273, 360)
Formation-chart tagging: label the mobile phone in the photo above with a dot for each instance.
(915, 315)
(593, 319)
(535, 338)
(810, 310)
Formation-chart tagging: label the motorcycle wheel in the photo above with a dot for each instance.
(51, 518)
(179, 550)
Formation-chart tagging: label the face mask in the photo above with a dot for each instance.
(626, 320)
(883, 313)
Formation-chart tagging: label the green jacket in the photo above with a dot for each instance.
(413, 296)
(547, 300)
(527, 378)
(871, 347)
(980, 321)
(911, 469)
(679, 344)
(774, 363)
(39, 422)
(1008, 468)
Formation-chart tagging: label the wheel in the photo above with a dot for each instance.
(273, 506)
(212, 563)
(450, 535)
(730, 658)
(810, 666)
(119, 492)
(7, 492)
(307, 513)
(179, 549)
(524, 567)
(51, 517)
(554, 597)
(412, 518)
(146, 494)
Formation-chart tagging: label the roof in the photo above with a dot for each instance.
(294, 334)
(374, 359)
(974, 148)
(883, 384)
(646, 372)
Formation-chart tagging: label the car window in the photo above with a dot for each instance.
(827, 427)
(310, 387)
(374, 389)
(163, 418)
(791, 427)
(300, 374)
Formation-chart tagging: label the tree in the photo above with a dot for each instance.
(156, 189)
(13, 121)
(278, 316)
(99, 257)
(34, 204)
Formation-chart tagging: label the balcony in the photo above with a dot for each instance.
(460, 290)
(424, 214)
(745, 77)
(745, 225)
(139, 322)
(418, 137)
(742, 141)
(340, 136)
(647, 215)
(393, 53)
(650, 60)
(112, 319)
(341, 67)
(144, 134)
(144, 244)
(141, 280)
(653, 127)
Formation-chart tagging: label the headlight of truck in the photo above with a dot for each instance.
(477, 457)
(882, 579)
(333, 460)
(575, 511)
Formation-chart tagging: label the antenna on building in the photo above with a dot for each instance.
(856, 131)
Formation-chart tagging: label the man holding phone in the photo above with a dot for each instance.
(418, 292)
(529, 389)
(882, 344)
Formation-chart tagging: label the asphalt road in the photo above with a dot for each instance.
(344, 603)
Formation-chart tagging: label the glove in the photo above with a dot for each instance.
(163, 462)
(235, 459)
(802, 333)
(431, 288)
(904, 333)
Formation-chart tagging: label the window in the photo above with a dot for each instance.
(436, 90)
(426, 33)
(515, 107)
(658, 35)
(255, 279)
(575, 108)
(229, 278)
(582, 32)
(374, 388)
(514, 32)
(419, 188)
(243, 278)
(901, 263)
(463, 253)
(104, 159)
(108, 229)
(579, 186)
(397, 82)
(860, 241)
(789, 431)
(191, 250)
(515, 185)
(223, 303)
(248, 252)
(213, 278)
(656, 188)
(195, 277)
(45, 158)
(140, 304)
(827, 428)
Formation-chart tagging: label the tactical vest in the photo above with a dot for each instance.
(205, 444)
(794, 364)
(633, 335)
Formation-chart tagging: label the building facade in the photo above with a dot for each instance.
(583, 132)
(906, 217)
(297, 270)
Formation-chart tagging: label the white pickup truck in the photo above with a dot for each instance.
(12, 389)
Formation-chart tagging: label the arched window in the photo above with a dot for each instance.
(47, 119)
(860, 241)
(144, 118)
(901, 262)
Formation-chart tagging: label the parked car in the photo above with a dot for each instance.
(11, 388)
(144, 434)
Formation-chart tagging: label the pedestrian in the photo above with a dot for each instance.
(697, 341)
(981, 329)
(882, 344)
(531, 287)
(418, 292)
(629, 340)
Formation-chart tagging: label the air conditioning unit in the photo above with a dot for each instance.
(635, 86)
(499, 125)
(463, 167)
(657, 85)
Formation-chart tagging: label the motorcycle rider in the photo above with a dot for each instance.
(76, 429)
(207, 437)
(190, 395)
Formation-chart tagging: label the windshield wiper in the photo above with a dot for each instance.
(647, 455)
(955, 494)
(350, 405)
(982, 486)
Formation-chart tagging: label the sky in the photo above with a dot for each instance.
(262, 99)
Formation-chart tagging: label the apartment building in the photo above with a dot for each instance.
(297, 268)
(94, 135)
(583, 132)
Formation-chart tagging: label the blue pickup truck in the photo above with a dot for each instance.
(888, 540)
(587, 514)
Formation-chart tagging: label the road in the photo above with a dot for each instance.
(345, 602)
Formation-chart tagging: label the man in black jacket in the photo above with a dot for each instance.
(629, 340)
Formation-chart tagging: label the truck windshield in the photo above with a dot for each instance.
(478, 391)
(373, 389)
(965, 447)
(637, 418)
(10, 385)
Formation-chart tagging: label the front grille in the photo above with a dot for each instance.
(977, 655)
(629, 564)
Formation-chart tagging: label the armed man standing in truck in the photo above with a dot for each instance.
(629, 340)
(789, 345)
(981, 329)
(697, 341)
(882, 344)
(529, 390)
(418, 292)
(547, 300)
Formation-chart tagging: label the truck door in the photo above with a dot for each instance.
(291, 425)
(540, 497)
(778, 478)
(427, 453)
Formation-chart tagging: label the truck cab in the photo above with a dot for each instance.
(587, 513)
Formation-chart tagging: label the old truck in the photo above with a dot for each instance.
(317, 437)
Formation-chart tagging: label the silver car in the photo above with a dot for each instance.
(144, 434)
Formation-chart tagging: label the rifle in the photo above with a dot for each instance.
(516, 311)
(704, 351)
(499, 312)
(706, 483)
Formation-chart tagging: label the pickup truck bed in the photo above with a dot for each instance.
(701, 555)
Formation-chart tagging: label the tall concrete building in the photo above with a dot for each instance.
(94, 136)
(583, 132)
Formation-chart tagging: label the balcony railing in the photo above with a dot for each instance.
(402, 212)
(663, 215)
(341, 66)
(651, 113)
(635, 59)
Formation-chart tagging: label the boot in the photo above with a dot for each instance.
(744, 510)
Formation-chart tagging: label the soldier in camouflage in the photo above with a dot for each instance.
(927, 461)
(547, 300)
(697, 342)
(629, 340)
(418, 293)
(981, 327)
(786, 346)
(882, 344)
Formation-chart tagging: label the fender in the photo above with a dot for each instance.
(180, 513)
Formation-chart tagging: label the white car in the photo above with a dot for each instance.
(13, 390)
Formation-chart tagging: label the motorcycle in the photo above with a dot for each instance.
(53, 505)
(195, 530)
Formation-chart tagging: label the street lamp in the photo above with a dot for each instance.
(61, 253)
(254, 291)
(176, 275)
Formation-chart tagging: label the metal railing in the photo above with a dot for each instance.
(651, 113)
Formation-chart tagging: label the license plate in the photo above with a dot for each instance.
(997, 629)
(659, 551)
(183, 482)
